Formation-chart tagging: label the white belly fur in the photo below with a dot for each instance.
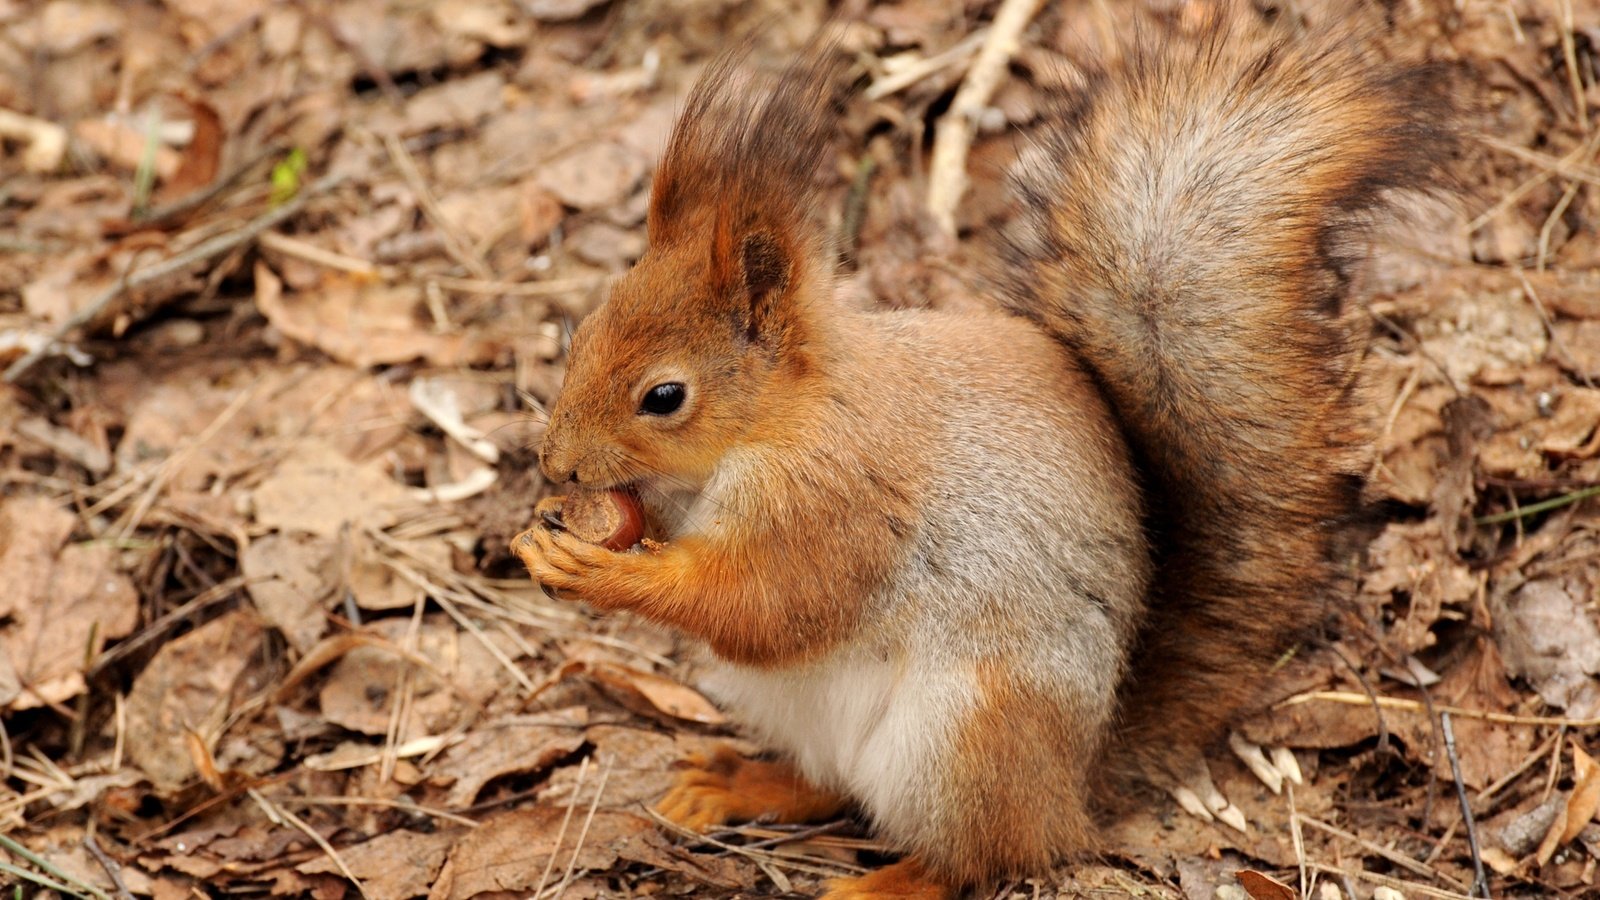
(870, 728)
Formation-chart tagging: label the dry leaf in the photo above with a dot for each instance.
(189, 685)
(663, 694)
(394, 866)
(291, 580)
(1585, 797)
(1261, 886)
(62, 602)
(318, 490)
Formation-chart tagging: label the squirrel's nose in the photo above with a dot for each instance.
(558, 471)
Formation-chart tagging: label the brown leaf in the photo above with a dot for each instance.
(498, 748)
(510, 852)
(202, 158)
(61, 603)
(1261, 886)
(363, 324)
(318, 490)
(662, 694)
(189, 685)
(1585, 797)
(290, 581)
(394, 866)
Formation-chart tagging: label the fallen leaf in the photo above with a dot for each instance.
(593, 177)
(511, 850)
(190, 684)
(662, 694)
(394, 866)
(363, 324)
(62, 602)
(1261, 886)
(318, 490)
(290, 580)
(495, 749)
(1585, 797)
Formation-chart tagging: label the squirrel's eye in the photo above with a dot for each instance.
(663, 399)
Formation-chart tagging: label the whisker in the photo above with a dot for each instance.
(678, 482)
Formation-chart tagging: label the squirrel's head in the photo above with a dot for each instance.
(718, 324)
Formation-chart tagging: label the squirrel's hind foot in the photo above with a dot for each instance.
(1199, 796)
(727, 787)
(904, 880)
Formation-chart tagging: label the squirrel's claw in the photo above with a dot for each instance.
(1283, 766)
(1198, 795)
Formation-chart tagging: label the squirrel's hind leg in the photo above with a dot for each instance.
(727, 787)
(907, 879)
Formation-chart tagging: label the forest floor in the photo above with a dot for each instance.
(271, 270)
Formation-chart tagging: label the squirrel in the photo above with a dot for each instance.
(955, 568)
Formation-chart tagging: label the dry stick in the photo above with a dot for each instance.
(1569, 53)
(457, 245)
(431, 812)
(204, 250)
(947, 178)
(903, 77)
(1353, 699)
(1386, 881)
(1298, 836)
(1551, 167)
(1480, 881)
(1399, 859)
(797, 863)
(113, 871)
(275, 811)
(561, 834)
(583, 833)
(1550, 221)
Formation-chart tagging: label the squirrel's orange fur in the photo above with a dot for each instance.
(946, 564)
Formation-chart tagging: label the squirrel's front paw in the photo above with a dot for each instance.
(563, 563)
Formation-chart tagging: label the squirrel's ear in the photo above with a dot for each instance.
(764, 274)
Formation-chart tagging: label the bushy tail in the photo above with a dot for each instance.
(1192, 228)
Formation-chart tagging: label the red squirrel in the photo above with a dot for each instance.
(954, 568)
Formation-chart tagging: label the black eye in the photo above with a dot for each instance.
(663, 399)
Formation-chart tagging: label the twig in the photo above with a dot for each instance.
(561, 834)
(947, 176)
(459, 249)
(1480, 881)
(202, 251)
(113, 871)
(1569, 53)
(1550, 327)
(49, 868)
(1399, 859)
(1353, 699)
(583, 833)
(274, 811)
(1386, 881)
(430, 812)
(911, 73)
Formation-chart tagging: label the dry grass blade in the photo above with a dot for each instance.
(76, 887)
(583, 834)
(278, 813)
